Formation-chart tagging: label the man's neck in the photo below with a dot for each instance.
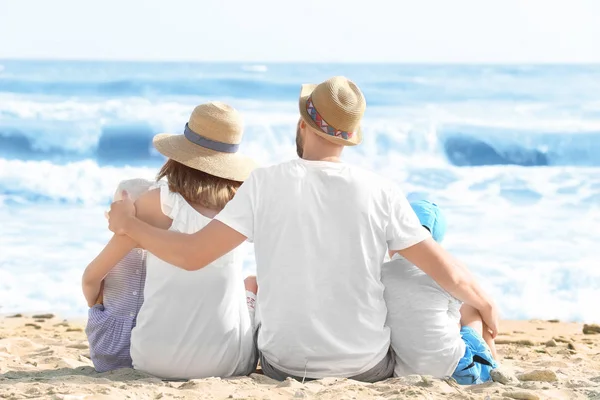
(327, 158)
(322, 151)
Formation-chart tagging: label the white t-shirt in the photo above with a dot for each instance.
(424, 319)
(321, 231)
(193, 324)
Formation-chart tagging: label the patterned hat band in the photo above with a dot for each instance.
(321, 123)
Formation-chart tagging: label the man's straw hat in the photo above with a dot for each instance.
(334, 110)
(209, 143)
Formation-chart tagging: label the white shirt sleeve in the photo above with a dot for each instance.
(404, 228)
(239, 213)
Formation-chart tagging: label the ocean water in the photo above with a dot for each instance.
(512, 153)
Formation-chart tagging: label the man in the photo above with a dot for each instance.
(321, 229)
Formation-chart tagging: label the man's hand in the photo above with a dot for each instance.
(120, 213)
(491, 319)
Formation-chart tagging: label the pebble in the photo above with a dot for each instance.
(566, 351)
(522, 395)
(574, 346)
(523, 342)
(501, 376)
(579, 383)
(263, 379)
(79, 346)
(541, 375)
(43, 316)
(591, 329)
(551, 343)
(36, 326)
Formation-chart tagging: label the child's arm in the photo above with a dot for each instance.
(94, 274)
(148, 209)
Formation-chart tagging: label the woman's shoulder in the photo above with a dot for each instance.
(153, 208)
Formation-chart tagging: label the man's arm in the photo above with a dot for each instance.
(457, 280)
(189, 252)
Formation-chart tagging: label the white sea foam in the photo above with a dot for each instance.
(524, 231)
(529, 233)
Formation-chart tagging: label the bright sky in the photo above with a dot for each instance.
(508, 31)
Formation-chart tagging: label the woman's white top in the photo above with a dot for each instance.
(193, 324)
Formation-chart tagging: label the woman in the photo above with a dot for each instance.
(192, 324)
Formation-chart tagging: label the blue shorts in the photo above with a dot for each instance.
(475, 366)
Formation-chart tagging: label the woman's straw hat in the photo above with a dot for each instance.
(334, 110)
(209, 143)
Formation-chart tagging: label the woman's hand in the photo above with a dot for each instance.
(120, 213)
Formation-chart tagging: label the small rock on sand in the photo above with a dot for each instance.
(522, 395)
(579, 383)
(263, 379)
(43, 316)
(541, 375)
(501, 376)
(16, 316)
(591, 329)
(575, 346)
(523, 342)
(551, 343)
(566, 351)
(36, 326)
(79, 346)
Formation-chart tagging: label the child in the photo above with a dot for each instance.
(112, 314)
(431, 333)
(191, 324)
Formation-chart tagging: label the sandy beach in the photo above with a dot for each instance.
(46, 357)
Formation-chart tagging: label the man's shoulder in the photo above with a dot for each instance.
(273, 170)
(372, 179)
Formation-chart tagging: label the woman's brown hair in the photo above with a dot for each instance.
(198, 187)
